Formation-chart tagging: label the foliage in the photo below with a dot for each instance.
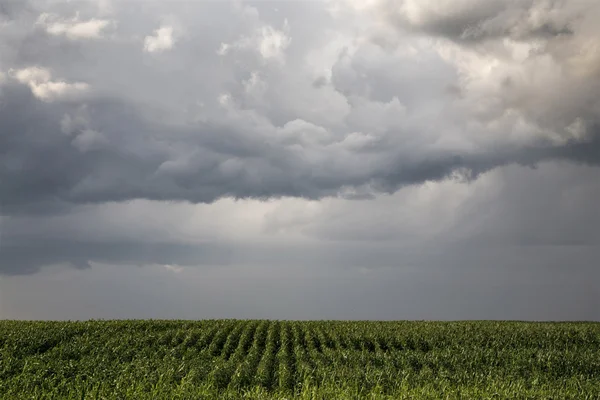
(306, 360)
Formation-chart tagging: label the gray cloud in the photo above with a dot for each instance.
(402, 147)
(526, 214)
(29, 255)
(472, 21)
(45, 168)
(492, 288)
(124, 147)
(26, 255)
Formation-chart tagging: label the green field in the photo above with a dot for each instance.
(316, 360)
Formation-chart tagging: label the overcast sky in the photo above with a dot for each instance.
(337, 159)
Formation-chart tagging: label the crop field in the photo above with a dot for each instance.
(309, 360)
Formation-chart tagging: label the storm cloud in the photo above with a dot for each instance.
(106, 148)
(341, 134)
(105, 151)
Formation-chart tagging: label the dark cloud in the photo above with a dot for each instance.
(43, 169)
(28, 255)
(131, 139)
(447, 147)
(473, 21)
(506, 283)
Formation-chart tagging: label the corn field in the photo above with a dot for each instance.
(306, 360)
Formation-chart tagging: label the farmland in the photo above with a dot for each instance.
(310, 360)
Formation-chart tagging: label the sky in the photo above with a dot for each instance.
(317, 159)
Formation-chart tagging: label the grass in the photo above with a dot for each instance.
(232, 359)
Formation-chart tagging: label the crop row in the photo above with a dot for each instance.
(295, 357)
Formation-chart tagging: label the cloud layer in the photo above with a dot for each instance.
(342, 134)
(506, 96)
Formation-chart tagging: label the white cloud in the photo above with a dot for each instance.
(162, 40)
(73, 28)
(225, 100)
(270, 43)
(43, 87)
(302, 132)
(32, 74)
(273, 43)
(224, 49)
